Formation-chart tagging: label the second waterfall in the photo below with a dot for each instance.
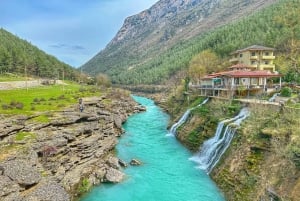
(212, 150)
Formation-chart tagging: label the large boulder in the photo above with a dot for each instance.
(114, 176)
(113, 162)
(21, 172)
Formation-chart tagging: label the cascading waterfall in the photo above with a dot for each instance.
(212, 149)
(184, 118)
(272, 99)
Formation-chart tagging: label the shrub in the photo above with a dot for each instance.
(61, 105)
(52, 99)
(61, 97)
(286, 92)
(13, 103)
(5, 107)
(36, 100)
(84, 186)
(19, 105)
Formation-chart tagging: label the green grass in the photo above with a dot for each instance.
(45, 98)
(24, 135)
(42, 119)
(11, 77)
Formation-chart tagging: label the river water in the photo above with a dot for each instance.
(167, 174)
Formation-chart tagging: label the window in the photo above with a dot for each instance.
(241, 55)
(253, 62)
(253, 54)
(266, 62)
(267, 53)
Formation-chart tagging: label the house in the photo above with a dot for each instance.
(256, 56)
(247, 75)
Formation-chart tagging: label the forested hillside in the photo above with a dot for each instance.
(277, 26)
(16, 55)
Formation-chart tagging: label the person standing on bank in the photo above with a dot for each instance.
(81, 106)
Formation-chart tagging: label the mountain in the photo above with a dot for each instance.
(146, 36)
(16, 54)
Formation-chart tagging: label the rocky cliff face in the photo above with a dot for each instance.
(168, 22)
(63, 157)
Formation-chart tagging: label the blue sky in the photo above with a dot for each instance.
(71, 30)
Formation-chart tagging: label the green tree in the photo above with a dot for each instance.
(203, 63)
(103, 80)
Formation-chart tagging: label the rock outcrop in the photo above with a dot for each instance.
(58, 159)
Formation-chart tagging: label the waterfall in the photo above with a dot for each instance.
(272, 99)
(212, 149)
(184, 118)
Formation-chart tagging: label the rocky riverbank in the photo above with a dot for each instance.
(58, 155)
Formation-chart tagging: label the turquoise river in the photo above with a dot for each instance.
(167, 174)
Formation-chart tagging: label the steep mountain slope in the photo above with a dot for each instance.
(147, 35)
(16, 54)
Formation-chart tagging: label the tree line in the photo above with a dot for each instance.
(19, 57)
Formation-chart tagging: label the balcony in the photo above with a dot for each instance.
(270, 67)
(254, 57)
(268, 57)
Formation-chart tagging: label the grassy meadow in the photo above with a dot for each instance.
(44, 98)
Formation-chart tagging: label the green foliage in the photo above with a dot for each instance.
(194, 139)
(42, 119)
(25, 135)
(286, 92)
(18, 56)
(84, 186)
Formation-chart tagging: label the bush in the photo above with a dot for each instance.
(5, 107)
(19, 105)
(84, 186)
(286, 92)
(13, 103)
(61, 97)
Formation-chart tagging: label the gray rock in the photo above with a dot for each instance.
(117, 121)
(135, 162)
(16, 196)
(21, 172)
(114, 176)
(122, 163)
(48, 191)
(113, 162)
(7, 186)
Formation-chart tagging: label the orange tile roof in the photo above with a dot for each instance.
(243, 73)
